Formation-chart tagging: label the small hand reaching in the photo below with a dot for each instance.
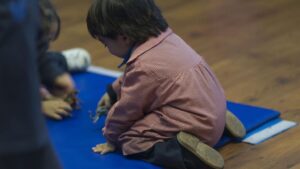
(102, 108)
(104, 102)
(104, 148)
(56, 108)
(63, 85)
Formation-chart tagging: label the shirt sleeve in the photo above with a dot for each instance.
(51, 65)
(138, 93)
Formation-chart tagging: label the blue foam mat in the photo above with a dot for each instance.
(73, 137)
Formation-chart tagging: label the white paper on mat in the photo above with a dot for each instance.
(268, 132)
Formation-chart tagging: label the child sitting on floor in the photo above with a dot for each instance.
(54, 67)
(168, 108)
(54, 105)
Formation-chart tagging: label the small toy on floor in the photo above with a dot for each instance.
(73, 100)
(99, 112)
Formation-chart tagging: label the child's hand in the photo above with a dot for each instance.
(104, 148)
(45, 93)
(104, 103)
(103, 130)
(63, 86)
(56, 109)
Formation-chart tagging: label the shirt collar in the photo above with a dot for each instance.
(135, 51)
(127, 56)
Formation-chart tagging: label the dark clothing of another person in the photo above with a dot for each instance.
(24, 142)
(51, 65)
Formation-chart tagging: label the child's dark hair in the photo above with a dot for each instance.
(137, 19)
(50, 21)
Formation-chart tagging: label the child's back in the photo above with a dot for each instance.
(182, 94)
(168, 104)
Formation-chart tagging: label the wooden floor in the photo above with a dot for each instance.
(253, 47)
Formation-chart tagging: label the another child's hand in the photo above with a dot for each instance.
(104, 148)
(56, 108)
(63, 85)
(45, 94)
(104, 103)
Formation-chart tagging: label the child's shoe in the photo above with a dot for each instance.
(205, 153)
(234, 125)
(78, 59)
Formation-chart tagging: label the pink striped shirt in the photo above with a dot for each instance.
(166, 88)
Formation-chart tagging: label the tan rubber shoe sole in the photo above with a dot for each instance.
(234, 125)
(205, 153)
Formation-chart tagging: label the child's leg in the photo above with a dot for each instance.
(171, 155)
(165, 154)
(203, 152)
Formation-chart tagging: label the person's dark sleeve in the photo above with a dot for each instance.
(51, 65)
